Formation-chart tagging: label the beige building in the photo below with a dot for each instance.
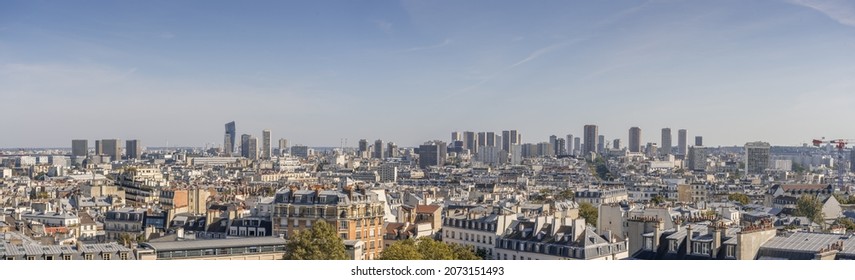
(355, 212)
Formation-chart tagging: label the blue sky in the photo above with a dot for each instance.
(410, 71)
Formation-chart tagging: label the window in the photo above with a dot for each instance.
(730, 251)
(648, 243)
(30, 258)
(672, 246)
(308, 223)
(66, 257)
(342, 225)
(48, 258)
(106, 256)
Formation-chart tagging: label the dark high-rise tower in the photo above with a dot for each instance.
(681, 142)
(80, 148)
(699, 140)
(229, 140)
(133, 149)
(634, 139)
(432, 154)
(378, 149)
(666, 141)
(590, 136)
(265, 144)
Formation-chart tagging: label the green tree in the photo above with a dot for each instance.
(321, 242)
(810, 207)
(567, 194)
(401, 250)
(426, 248)
(467, 252)
(739, 197)
(434, 250)
(658, 199)
(847, 223)
(589, 212)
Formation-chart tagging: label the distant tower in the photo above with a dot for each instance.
(265, 144)
(590, 139)
(616, 144)
(378, 149)
(634, 139)
(133, 150)
(569, 144)
(283, 146)
(577, 145)
(509, 139)
(252, 144)
(756, 157)
(99, 149)
(553, 141)
(391, 150)
(601, 144)
(229, 141)
(665, 148)
(112, 148)
(699, 140)
(244, 145)
(432, 153)
(80, 148)
(681, 142)
(491, 139)
(456, 136)
(470, 141)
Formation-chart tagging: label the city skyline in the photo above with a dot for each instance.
(316, 73)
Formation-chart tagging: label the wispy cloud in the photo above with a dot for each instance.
(444, 43)
(841, 11)
(166, 35)
(383, 25)
(537, 53)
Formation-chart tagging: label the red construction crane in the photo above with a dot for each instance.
(840, 144)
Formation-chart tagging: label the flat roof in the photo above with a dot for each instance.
(214, 243)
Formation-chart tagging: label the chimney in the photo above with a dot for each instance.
(717, 236)
(689, 239)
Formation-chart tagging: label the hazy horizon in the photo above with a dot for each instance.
(411, 71)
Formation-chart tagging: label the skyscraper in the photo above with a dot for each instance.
(491, 139)
(363, 146)
(133, 150)
(577, 145)
(699, 140)
(283, 146)
(252, 144)
(432, 154)
(553, 140)
(634, 139)
(378, 149)
(229, 141)
(470, 141)
(391, 150)
(80, 148)
(456, 136)
(244, 145)
(482, 139)
(590, 135)
(99, 149)
(509, 138)
(616, 144)
(265, 144)
(112, 148)
(601, 144)
(756, 157)
(569, 144)
(681, 142)
(666, 141)
(562, 146)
